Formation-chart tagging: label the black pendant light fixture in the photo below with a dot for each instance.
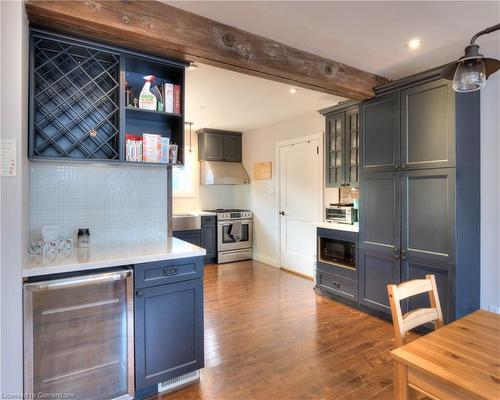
(469, 73)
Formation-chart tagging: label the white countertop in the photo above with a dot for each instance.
(112, 256)
(195, 213)
(337, 226)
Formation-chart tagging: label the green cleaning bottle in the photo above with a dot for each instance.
(147, 100)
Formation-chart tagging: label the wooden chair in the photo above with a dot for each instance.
(404, 323)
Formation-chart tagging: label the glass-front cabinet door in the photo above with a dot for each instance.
(352, 147)
(335, 136)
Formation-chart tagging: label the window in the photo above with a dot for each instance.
(183, 177)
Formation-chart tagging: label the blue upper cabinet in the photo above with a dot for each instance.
(84, 98)
(75, 100)
(428, 126)
(380, 133)
(342, 145)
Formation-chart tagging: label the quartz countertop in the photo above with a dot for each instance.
(95, 257)
(195, 213)
(337, 226)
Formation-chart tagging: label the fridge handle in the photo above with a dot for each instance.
(77, 281)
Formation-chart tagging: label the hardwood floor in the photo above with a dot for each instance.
(269, 336)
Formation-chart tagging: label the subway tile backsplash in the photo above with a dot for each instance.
(119, 204)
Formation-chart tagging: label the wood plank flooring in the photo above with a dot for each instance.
(269, 336)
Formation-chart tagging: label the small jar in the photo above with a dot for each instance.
(83, 237)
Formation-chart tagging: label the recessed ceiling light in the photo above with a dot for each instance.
(293, 90)
(414, 44)
(192, 66)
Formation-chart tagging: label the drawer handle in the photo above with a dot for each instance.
(170, 271)
(336, 284)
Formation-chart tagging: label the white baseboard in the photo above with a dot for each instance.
(263, 258)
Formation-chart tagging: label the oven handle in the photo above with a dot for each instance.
(77, 281)
(227, 223)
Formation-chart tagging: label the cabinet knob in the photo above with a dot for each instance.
(403, 166)
(138, 293)
(396, 252)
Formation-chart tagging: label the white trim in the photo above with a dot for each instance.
(263, 258)
(301, 139)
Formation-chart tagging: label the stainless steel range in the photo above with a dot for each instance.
(234, 235)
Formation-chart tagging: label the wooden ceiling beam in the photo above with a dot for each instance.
(157, 28)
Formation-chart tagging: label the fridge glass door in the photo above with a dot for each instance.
(78, 336)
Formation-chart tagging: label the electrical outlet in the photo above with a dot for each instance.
(495, 309)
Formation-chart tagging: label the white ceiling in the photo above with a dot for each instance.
(217, 98)
(369, 35)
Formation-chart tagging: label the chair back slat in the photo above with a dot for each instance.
(404, 323)
(419, 317)
(413, 287)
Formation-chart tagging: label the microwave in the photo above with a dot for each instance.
(341, 214)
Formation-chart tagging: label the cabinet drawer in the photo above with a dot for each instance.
(338, 285)
(162, 272)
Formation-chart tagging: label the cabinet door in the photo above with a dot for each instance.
(232, 147)
(380, 133)
(376, 271)
(380, 220)
(213, 146)
(352, 147)
(428, 214)
(168, 331)
(444, 273)
(209, 239)
(428, 126)
(334, 154)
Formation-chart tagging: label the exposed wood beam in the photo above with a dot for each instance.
(161, 29)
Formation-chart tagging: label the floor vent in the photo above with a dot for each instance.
(178, 381)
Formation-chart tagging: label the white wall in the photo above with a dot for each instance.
(14, 190)
(260, 196)
(205, 197)
(490, 193)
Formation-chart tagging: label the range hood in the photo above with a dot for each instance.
(223, 173)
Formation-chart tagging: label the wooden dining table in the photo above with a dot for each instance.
(458, 361)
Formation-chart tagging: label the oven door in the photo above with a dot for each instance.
(225, 241)
(336, 214)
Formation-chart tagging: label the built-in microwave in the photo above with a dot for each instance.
(341, 253)
(344, 214)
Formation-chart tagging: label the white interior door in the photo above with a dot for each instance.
(299, 204)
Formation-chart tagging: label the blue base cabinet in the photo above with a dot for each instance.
(209, 237)
(192, 236)
(169, 337)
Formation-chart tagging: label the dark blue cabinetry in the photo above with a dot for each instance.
(192, 236)
(209, 237)
(169, 339)
(332, 277)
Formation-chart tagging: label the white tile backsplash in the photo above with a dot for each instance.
(118, 203)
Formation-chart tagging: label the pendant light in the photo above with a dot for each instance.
(469, 73)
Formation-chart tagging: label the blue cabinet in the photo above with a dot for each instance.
(209, 237)
(169, 338)
(192, 236)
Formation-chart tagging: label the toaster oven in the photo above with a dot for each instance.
(343, 214)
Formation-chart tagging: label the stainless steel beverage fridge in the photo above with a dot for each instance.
(78, 337)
